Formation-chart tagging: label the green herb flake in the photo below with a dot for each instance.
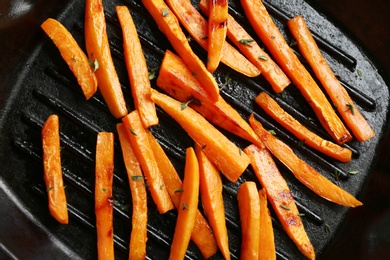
(293, 43)
(50, 188)
(284, 207)
(227, 80)
(301, 214)
(263, 57)
(240, 151)
(360, 73)
(327, 228)
(104, 190)
(336, 175)
(184, 105)
(301, 143)
(272, 37)
(125, 207)
(179, 191)
(272, 132)
(152, 73)
(165, 12)
(74, 59)
(132, 131)
(350, 108)
(137, 177)
(147, 185)
(246, 42)
(94, 64)
(162, 186)
(184, 206)
(353, 172)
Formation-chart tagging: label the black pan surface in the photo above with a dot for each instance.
(36, 83)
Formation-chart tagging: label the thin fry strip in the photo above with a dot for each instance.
(217, 28)
(137, 69)
(202, 234)
(139, 219)
(52, 170)
(267, 242)
(197, 27)
(219, 149)
(280, 198)
(289, 62)
(301, 132)
(104, 172)
(169, 25)
(73, 55)
(140, 143)
(189, 205)
(256, 55)
(302, 171)
(175, 79)
(249, 209)
(212, 200)
(99, 53)
(337, 93)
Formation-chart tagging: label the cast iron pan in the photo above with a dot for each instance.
(36, 83)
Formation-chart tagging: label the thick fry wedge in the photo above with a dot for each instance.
(52, 170)
(249, 208)
(280, 197)
(98, 49)
(176, 80)
(219, 149)
(337, 93)
(137, 69)
(267, 242)
(140, 143)
(73, 55)
(202, 234)
(302, 171)
(189, 205)
(301, 132)
(169, 25)
(212, 200)
(268, 68)
(104, 172)
(289, 62)
(139, 219)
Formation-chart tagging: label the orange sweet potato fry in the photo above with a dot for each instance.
(265, 28)
(302, 171)
(219, 149)
(52, 170)
(137, 69)
(337, 93)
(189, 205)
(99, 53)
(104, 172)
(73, 55)
(139, 219)
(267, 242)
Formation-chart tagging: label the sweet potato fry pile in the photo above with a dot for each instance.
(192, 99)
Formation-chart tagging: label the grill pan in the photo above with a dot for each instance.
(38, 83)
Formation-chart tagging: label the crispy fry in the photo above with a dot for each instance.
(267, 242)
(52, 170)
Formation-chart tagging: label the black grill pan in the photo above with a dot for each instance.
(36, 83)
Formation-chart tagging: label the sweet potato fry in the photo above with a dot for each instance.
(52, 170)
(217, 28)
(301, 132)
(302, 171)
(189, 205)
(139, 219)
(176, 80)
(249, 47)
(337, 93)
(104, 172)
(289, 62)
(202, 234)
(137, 69)
(140, 143)
(249, 208)
(99, 54)
(169, 25)
(267, 242)
(73, 55)
(212, 200)
(280, 197)
(219, 149)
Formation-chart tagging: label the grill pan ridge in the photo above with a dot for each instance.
(48, 87)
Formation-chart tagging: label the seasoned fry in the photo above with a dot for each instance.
(249, 47)
(140, 143)
(100, 55)
(302, 171)
(267, 243)
(337, 93)
(289, 62)
(52, 170)
(301, 132)
(280, 197)
(219, 149)
(169, 25)
(139, 219)
(189, 205)
(137, 69)
(73, 55)
(104, 172)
